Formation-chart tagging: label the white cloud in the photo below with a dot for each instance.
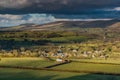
(112, 9)
(14, 3)
(13, 20)
(117, 9)
(11, 17)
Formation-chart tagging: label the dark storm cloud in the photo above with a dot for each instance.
(54, 6)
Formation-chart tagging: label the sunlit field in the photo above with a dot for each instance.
(26, 62)
(81, 65)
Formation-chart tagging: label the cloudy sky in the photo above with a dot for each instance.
(15, 12)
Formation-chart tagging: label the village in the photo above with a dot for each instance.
(86, 50)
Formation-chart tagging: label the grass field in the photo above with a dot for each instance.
(16, 74)
(20, 74)
(109, 60)
(90, 67)
(27, 62)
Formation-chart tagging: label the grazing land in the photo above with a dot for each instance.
(18, 74)
(26, 62)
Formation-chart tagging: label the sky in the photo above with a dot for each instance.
(16, 12)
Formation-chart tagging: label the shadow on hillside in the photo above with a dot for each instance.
(42, 76)
(23, 76)
(11, 44)
(92, 77)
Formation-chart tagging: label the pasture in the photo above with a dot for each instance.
(103, 66)
(26, 62)
(16, 74)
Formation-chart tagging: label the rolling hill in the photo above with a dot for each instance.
(66, 25)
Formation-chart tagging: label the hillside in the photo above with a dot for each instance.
(66, 25)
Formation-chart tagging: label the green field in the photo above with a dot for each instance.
(16, 74)
(114, 61)
(90, 67)
(27, 62)
(27, 74)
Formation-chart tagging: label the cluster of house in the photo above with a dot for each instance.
(61, 55)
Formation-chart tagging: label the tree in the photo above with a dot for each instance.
(15, 52)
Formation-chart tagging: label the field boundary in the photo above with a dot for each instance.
(95, 62)
(58, 64)
(60, 70)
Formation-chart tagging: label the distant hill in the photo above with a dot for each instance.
(66, 25)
